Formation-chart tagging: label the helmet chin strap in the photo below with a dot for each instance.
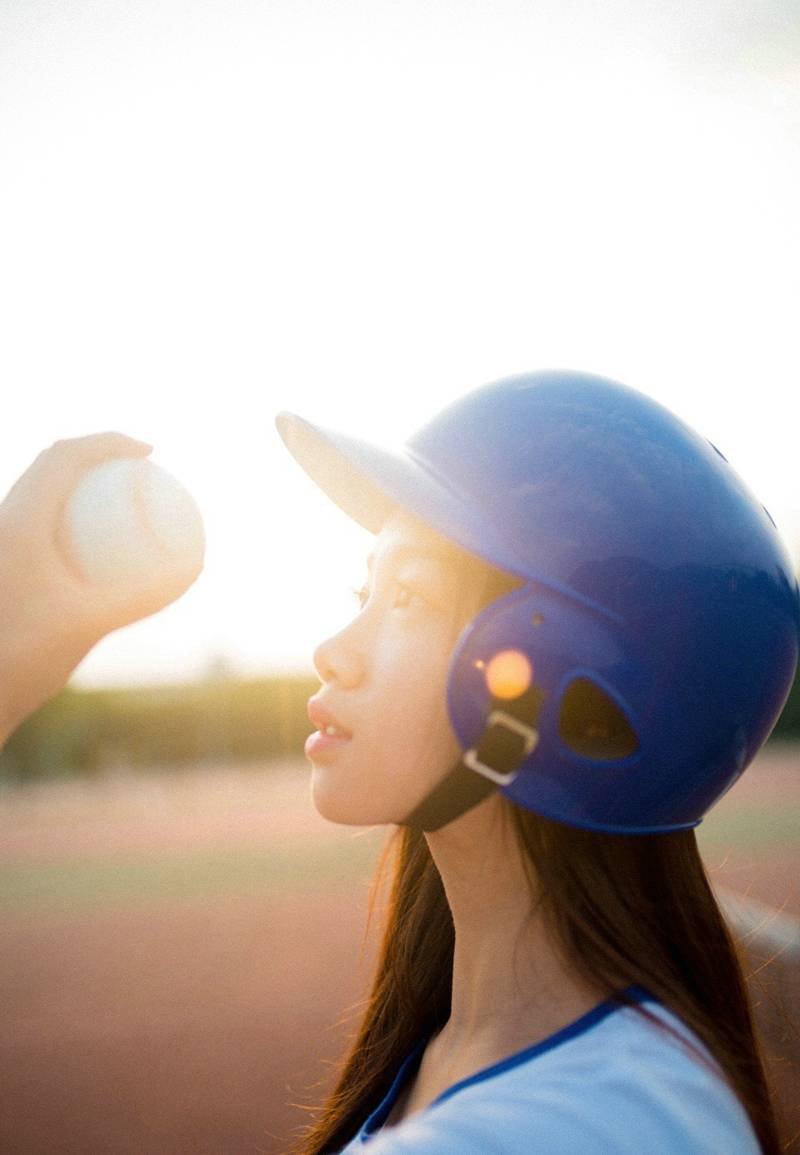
(508, 738)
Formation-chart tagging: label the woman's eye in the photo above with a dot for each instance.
(362, 594)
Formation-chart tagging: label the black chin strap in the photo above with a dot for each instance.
(508, 738)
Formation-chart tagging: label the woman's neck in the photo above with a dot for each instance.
(511, 985)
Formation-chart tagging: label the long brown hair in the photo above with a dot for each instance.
(662, 929)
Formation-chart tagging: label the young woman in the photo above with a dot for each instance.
(578, 629)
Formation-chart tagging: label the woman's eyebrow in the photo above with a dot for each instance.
(400, 552)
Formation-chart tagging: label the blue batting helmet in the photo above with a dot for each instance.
(658, 626)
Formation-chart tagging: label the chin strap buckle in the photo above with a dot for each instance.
(530, 738)
(494, 761)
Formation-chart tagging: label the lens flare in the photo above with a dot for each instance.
(509, 674)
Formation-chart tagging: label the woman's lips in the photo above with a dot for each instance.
(320, 743)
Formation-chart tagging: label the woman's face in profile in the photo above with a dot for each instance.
(384, 679)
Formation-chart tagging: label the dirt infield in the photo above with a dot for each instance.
(191, 1027)
(182, 957)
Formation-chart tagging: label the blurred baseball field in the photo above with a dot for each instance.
(183, 952)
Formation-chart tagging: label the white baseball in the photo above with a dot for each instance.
(128, 519)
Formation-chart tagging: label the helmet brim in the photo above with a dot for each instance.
(369, 482)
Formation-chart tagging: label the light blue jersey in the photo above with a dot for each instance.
(610, 1083)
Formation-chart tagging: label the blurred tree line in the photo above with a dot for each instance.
(92, 732)
(95, 732)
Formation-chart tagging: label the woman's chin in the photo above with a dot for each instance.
(349, 811)
(345, 810)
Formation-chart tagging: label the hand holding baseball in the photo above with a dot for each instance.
(92, 537)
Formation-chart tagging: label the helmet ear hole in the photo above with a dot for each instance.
(592, 724)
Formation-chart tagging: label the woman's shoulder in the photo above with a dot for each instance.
(621, 1086)
(638, 1084)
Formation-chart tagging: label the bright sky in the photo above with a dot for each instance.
(358, 211)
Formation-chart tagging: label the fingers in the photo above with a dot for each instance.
(49, 480)
(96, 447)
(73, 456)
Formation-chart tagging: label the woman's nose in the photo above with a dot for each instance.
(336, 659)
